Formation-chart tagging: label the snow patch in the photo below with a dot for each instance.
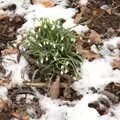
(99, 72)
(96, 74)
(35, 12)
(22, 5)
(3, 93)
(16, 69)
(56, 112)
(81, 111)
(114, 113)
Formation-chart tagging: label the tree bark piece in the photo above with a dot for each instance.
(55, 88)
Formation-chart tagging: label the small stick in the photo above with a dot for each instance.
(32, 84)
(41, 84)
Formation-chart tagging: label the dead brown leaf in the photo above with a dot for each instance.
(46, 3)
(90, 55)
(35, 2)
(4, 116)
(109, 11)
(83, 48)
(81, 45)
(95, 37)
(3, 104)
(3, 16)
(26, 117)
(16, 114)
(67, 93)
(77, 18)
(4, 82)
(116, 64)
(10, 51)
(19, 115)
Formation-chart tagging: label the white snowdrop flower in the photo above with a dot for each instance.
(39, 29)
(36, 36)
(54, 45)
(41, 61)
(55, 58)
(46, 58)
(62, 67)
(47, 42)
(67, 63)
(66, 70)
(45, 26)
(44, 43)
(53, 27)
(32, 31)
(40, 45)
(72, 39)
(62, 48)
(62, 38)
(61, 72)
(51, 43)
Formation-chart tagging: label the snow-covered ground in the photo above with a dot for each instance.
(96, 73)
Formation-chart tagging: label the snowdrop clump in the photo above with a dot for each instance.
(96, 73)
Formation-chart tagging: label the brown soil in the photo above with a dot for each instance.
(112, 93)
(8, 29)
(103, 21)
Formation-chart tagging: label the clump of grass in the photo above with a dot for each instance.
(53, 48)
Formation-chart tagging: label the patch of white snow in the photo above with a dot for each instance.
(16, 69)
